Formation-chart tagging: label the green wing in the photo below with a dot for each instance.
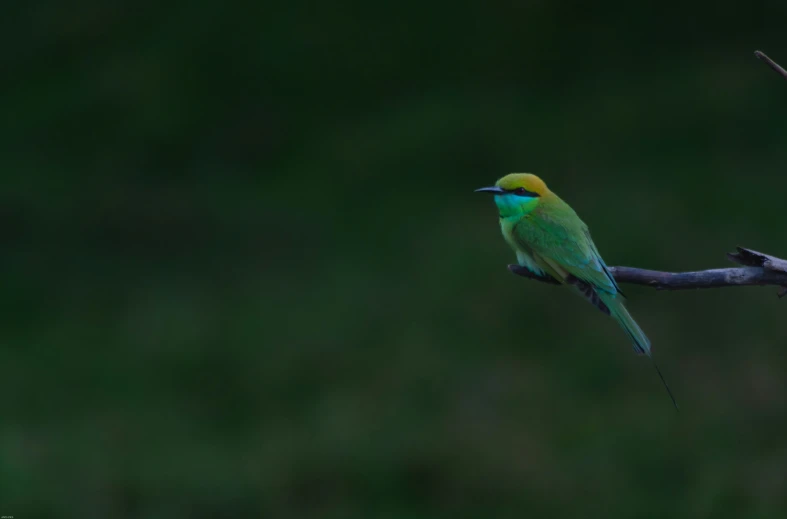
(600, 261)
(561, 237)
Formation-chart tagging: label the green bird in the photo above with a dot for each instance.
(551, 241)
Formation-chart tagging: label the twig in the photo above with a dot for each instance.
(758, 269)
(775, 66)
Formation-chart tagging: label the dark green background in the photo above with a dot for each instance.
(245, 273)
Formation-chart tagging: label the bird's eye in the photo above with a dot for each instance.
(520, 191)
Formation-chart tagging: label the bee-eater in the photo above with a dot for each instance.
(551, 241)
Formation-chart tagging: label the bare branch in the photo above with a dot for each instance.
(775, 66)
(760, 269)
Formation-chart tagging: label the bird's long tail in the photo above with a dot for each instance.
(618, 312)
(638, 338)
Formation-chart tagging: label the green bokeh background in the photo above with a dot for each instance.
(245, 273)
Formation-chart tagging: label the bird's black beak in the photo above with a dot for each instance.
(494, 190)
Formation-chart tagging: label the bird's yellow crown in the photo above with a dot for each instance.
(528, 181)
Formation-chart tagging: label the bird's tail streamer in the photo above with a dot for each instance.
(638, 338)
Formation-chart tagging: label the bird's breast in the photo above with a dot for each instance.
(507, 227)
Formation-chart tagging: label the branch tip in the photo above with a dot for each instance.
(775, 66)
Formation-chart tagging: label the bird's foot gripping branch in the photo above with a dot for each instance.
(757, 269)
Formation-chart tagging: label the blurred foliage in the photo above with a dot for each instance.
(245, 274)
